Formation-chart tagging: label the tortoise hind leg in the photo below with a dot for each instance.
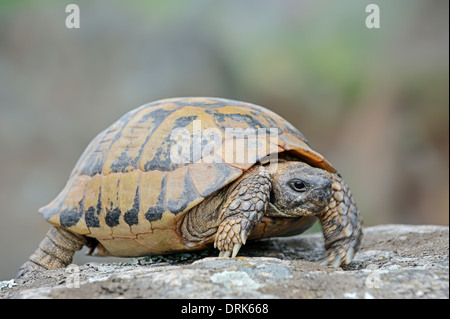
(56, 250)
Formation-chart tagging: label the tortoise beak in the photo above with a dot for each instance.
(317, 199)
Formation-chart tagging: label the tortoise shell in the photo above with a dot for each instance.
(126, 190)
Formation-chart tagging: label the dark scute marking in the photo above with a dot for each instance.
(217, 103)
(158, 116)
(161, 161)
(91, 218)
(55, 208)
(122, 163)
(112, 217)
(185, 120)
(97, 168)
(94, 163)
(93, 166)
(131, 216)
(189, 195)
(91, 158)
(252, 121)
(69, 217)
(99, 202)
(155, 213)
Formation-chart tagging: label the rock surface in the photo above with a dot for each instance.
(395, 261)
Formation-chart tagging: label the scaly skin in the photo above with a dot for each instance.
(56, 250)
(242, 211)
(341, 224)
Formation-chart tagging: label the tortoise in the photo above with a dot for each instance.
(154, 183)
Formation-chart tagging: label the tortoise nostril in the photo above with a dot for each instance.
(321, 194)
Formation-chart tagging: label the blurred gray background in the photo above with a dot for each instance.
(375, 102)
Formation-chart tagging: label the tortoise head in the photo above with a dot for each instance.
(298, 189)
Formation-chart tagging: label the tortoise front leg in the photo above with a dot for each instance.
(56, 250)
(341, 225)
(242, 211)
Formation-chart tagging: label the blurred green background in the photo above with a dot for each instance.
(375, 102)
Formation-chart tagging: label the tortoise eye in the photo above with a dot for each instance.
(298, 186)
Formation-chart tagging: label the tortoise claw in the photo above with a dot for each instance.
(244, 235)
(337, 262)
(338, 258)
(228, 253)
(225, 254)
(334, 262)
(350, 254)
(232, 234)
(323, 261)
(236, 249)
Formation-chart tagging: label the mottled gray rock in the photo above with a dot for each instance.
(395, 261)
